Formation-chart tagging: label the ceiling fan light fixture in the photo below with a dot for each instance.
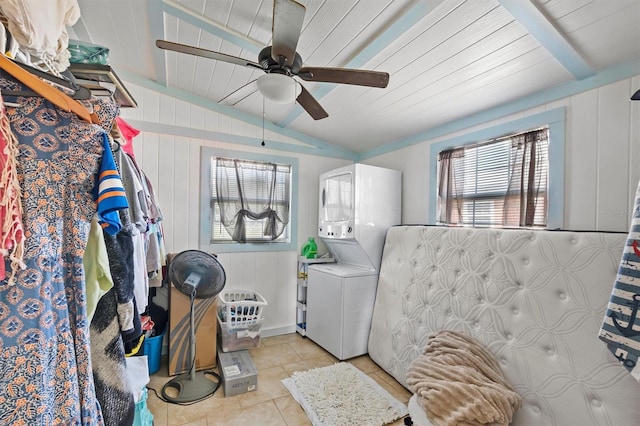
(279, 88)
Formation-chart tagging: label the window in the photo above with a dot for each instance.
(502, 182)
(247, 201)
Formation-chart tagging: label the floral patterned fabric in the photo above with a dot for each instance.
(45, 364)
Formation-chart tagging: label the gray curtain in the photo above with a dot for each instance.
(252, 190)
(528, 179)
(450, 177)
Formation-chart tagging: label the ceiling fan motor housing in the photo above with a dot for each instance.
(267, 63)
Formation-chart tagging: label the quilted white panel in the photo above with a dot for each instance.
(535, 299)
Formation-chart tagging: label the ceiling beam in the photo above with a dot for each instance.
(402, 23)
(320, 147)
(212, 27)
(210, 135)
(156, 24)
(540, 27)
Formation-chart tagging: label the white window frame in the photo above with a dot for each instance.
(554, 119)
(206, 243)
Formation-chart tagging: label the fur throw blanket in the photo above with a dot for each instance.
(457, 381)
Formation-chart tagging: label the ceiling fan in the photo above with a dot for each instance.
(281, 63)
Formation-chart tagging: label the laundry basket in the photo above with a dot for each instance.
(240, 316)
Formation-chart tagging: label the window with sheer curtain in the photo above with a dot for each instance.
(250, 201)
(502, 182)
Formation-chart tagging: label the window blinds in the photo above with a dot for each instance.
(498, 183)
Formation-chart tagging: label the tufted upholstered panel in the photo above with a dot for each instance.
(535, 299)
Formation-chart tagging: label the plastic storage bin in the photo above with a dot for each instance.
(153, 350)
(236, 338)
(240, 316)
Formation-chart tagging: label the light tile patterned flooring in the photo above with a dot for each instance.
(271, 405)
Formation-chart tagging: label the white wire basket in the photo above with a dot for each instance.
(240, 308)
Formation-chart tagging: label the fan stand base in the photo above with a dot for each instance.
(190, 388)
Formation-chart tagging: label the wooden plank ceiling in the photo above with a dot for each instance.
(447, 59)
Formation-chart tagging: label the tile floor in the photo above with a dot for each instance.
(271, 405)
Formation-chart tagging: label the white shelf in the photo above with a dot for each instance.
(301, 297)
(303, 259)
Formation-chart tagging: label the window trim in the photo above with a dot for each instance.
(206, 152)
(554, 118)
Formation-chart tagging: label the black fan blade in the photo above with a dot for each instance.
(345, 76)
(288, 16)
(197, 51)
(241, 94)
(309, 103)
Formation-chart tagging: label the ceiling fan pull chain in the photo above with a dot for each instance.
(262, 122)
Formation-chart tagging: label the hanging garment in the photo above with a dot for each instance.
(113, 387)
(113, 321)
(11, 231)
(45, 364)
(120, 253)
(128, 132)
(621, 326)
(134, 190)
(96, 268)
(138, 215)
(141, 281)
(156, 254)
(110, 194)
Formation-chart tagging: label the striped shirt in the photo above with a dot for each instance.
(109, 192)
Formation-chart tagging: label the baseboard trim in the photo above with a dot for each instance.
(277, 331)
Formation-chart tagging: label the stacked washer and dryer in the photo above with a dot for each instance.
(357, 204)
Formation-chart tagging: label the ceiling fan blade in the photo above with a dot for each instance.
(240, 94)
(197, 51)
(288, 16)
(345, 76)
(309, 103)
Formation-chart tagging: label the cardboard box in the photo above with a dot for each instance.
(239, 374)
(179, 330)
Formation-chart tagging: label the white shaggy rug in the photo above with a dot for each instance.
(340, 394)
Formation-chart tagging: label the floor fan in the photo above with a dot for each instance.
(198, 275)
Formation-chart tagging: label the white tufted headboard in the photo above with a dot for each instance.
(535, 299)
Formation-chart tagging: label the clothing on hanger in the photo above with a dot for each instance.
(52, 94)
(128, 132)
(67, 85)
(46, 343)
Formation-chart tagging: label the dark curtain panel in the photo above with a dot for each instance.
(450, 179)
(528, 179)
